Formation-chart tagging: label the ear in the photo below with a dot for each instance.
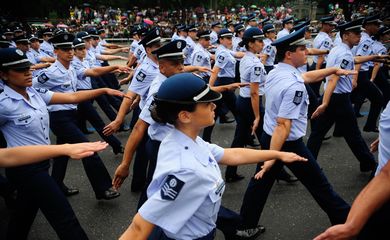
(288, 55)
(184, 117)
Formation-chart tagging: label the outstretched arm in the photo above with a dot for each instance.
(17, 156)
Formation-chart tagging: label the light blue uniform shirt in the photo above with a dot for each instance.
(174, 37)
(25, 122)
(47, 48)
(286, 98)
(364, 49)
(97, 53)
(201, 57)
(213, 38)
(91, 57)
(270, 51)
(378, 49)
(35, 57)
(133, 46)
(224, 59)
(84, 82)
(324, 42)
(251, 71)
(156, 131)
(236, 47)
(186, 190)
(384, 139)
(282, 33)
(140, 53)
(337, 39)
(341, 56)
(188, 50)
(57, 78)
(142, 79)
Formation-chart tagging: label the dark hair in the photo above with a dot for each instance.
(167, 112)
(281, 52)
(247, 41)
(173, 61)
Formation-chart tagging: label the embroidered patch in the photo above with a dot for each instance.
(199, 58)
(41, 90)
(344, 64)
(326, 44)
(171, 188)
(298, 97)
(221, 59)
(268, 48)
(43, 78)
(140, 76)
(365, 47)
(257, 71)
(139, 52)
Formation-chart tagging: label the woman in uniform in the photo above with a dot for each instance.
(187, 187)
(24, 120)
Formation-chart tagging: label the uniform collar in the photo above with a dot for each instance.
(345, 45)
(251, 54)
(290, 68)
(16, 96)
(151, 62)
(60, 66)
(190, 145)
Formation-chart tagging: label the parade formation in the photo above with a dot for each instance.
(272, 77)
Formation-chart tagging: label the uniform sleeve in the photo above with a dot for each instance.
(221, 60)
(80, 69)
(290, 106)
(216, 151)
(145, 113)
(197, 59)
(175, 202)
(3, 115)
(326, 44)
(137, 84)
(256, 73)
(44, 80)
(45, 94)
(31, 58)
(340, 60)
(138, 53)
(363, 49)
(268, 50)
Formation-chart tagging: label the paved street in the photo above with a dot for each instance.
(290, 212)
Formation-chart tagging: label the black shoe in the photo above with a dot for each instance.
(225, 119)
(108, 194)
(251, 142)
(250, 233)
(234, 178)
(70, 191)
(120, 150)
(326, 138)
(366, 129)
(368, 166)
(285, 176)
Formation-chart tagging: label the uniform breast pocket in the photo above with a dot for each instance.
(215, 196)
(25, 121)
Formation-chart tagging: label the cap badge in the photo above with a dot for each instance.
(19, 52)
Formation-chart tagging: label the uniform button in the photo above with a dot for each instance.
(41, 118)
(25, 121)
(46, 138)
(186, 148)
(44, 128)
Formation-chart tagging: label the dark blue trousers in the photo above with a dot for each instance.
(106, 102)
(110, 78)
(140, 166)
(309, 173)
(158, 234)
(340, 111)
(377, 226)
(37, 190)
(367, 89)
(64, 126)
(152, 147)
(317, 85)
(86, 111)
(245, 118)
(382, 82)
